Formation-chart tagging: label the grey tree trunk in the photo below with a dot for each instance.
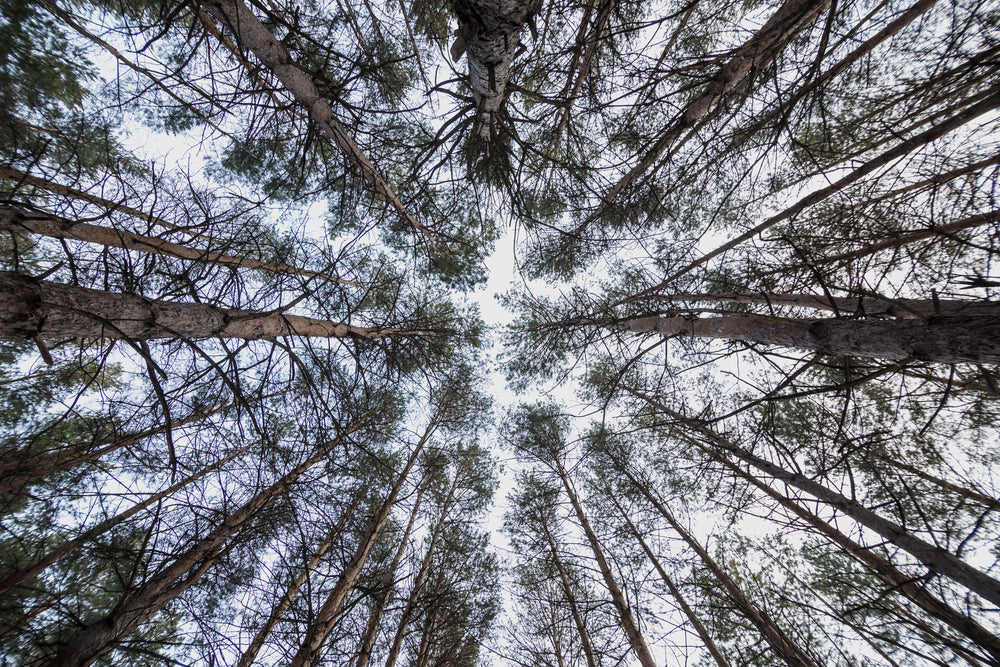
(30, 307)
(490, 34)
(933, 557)
(319, 628)
(183, 572)
(949, 339)
(14, 219)
(852, 305)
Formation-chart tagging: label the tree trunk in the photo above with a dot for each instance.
(19, 220)
(635, 638)
(754, 55)
(782, 644)
(933, 557)
(246, 660)
(852, 305)
(33, 469)
(699, 627)
(171, 580)
(418, 583)
(253, 35)
(949, 339)
(86, 536)
(581, 627)
(389, 582)
(490, 34)
(898, 580)
(320, 627)
(30, 307)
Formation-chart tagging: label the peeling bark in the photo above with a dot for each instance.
(30, 307)
(490, 34)
(947, 339)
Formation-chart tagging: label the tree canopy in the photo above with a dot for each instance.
(250, 366)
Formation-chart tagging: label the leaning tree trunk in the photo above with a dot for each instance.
(325, 620)
(490, 34)
(949, 339)
(99, 637)
(30, 307)
(631, 628)
(933, 557)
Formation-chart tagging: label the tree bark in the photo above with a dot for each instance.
(252, 34)
(320, 627)
(389, 582)
(781, 643)
(699, 627)
(30, 307)
(933, 557)
(635, 638)
(14, 219)
(581, 627)
(161, 588)
(418, 583)
(279, 609)
(490, 34)
(949, 339)
(86, 536)
(853, 305)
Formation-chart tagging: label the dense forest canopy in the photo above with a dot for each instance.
(248, 399)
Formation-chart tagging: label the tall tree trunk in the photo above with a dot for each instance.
(756, 54)
(854, 305)
(899, 150)
(418, 583)
(899, 581)
(14, 219)
(319, 628)
(490, 34)
(30, 307)
(635, 638)
(696, 623)
(949, 339)
(88, 535)
(388, 583)
(933, 557)
(183, 572)
(32, 469)
(581, 627)
(279, 609)
(253, 35)
(782, 644)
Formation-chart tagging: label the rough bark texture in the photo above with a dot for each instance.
(933, 557)
(490, 32)
(30, 307)
(19, 220)
(581, 627)
(183, 572)
(859, 305)
(255, 36)
(948, 339)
